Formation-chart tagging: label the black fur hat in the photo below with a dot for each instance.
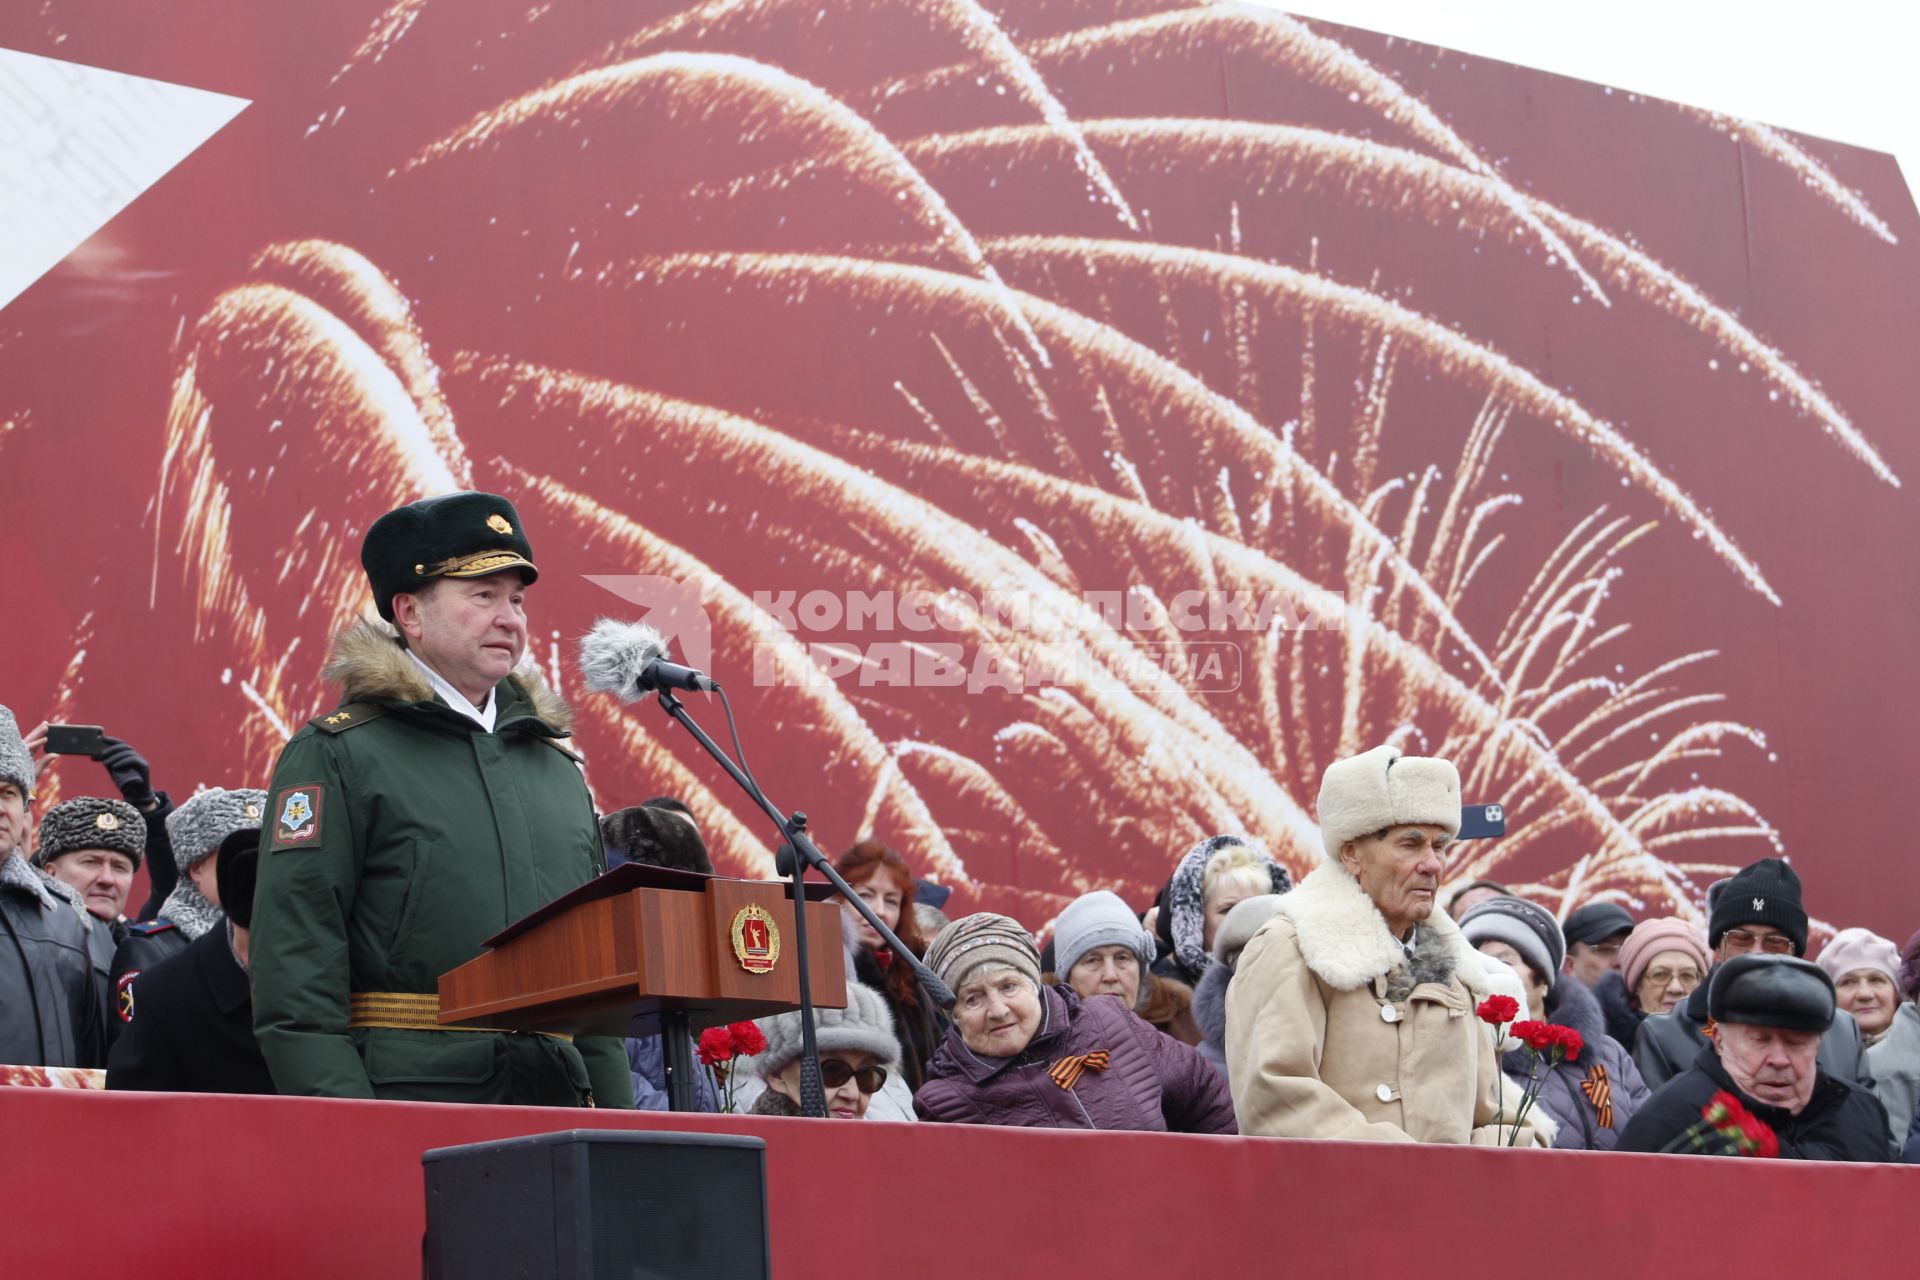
(656, 836)
(1772, 991)
(454, 535)
(235, 873)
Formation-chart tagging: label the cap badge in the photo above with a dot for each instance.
(107, 822)
(1759, 904)
(253, 811)
(498, 523)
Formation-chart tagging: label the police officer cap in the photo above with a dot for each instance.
(1772, 991)
(457, 535)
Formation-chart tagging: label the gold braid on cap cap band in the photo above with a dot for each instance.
(480, 562)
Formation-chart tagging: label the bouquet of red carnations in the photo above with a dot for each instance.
(1727, 1128)
(719, 1046)
(1548, 1045)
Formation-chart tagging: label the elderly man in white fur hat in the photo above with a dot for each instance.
(1351, 1014)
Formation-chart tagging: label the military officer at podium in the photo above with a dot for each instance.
(435, 805)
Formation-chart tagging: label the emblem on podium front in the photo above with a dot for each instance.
(756, 939)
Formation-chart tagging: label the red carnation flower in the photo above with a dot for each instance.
(716, 1045)
(1537, 1036)
(746, 1038)
(1497, 1011)
(1571, 1042)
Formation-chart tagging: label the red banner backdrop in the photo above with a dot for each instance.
(1306, 389)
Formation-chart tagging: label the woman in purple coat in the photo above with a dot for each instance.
(1020, 1053)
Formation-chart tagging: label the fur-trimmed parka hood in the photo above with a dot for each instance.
(369, 663)
(1345, 940)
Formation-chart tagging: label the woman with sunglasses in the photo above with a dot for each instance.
(859, 1053)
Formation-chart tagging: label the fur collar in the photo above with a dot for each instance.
(1210, 1005)
(770, 1103)
(1346, 942)
(17, 874)
(369, 665)
(188, 909)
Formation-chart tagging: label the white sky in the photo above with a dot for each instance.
(1848, 70)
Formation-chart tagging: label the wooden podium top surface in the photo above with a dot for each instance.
(624, 879)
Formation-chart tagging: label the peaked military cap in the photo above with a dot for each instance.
(456, 535)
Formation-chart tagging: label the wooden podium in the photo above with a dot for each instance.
(640, 942)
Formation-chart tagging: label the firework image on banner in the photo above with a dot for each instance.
(1064, 426)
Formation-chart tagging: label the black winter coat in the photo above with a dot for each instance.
(918, 1033)
(50, 1014)
(1911, 1155)
(1839, 1122)
(1620, 1010)
(193, 1029)
(1668, 1042)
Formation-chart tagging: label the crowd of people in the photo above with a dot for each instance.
(294, 935)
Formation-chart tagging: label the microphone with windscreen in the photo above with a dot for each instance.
(629, 661)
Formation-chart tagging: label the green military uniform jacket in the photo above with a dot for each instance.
(399, 835)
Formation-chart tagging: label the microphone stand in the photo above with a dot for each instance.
(793, 829)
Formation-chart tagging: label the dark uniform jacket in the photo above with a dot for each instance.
(50, 1014)
(1669, 1042)
(144, 945)
(399, 836)
(1839, 1122)
(193, 1030)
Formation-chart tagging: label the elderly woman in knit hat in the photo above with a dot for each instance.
(1865, 969)
(1661, 962)
(859, 1054)
(1023, 1053)
(1352, 1012)
(1592, 1097)
(195, 830)
(1769, 1012)
(1101, 948)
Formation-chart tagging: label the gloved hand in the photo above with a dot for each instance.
(130, 772)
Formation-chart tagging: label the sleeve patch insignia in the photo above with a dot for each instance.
(125, 995)
(298, 814)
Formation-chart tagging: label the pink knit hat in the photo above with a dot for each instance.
(1662, 933)
(1860, 949)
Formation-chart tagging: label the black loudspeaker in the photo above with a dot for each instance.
(590, 1204)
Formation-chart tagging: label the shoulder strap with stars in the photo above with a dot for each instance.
(350, 716)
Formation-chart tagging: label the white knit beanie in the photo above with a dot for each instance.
(864, 1026)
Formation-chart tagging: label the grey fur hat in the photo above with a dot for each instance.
(89, 822)
(16, 766)
(197, 827)
(864, 1026)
